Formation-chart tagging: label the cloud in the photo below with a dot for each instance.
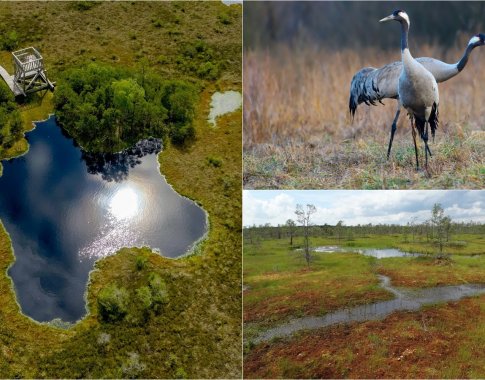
(362, 207)
(276, 210)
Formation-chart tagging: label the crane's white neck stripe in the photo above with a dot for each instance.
(405, 16)
(473, 40)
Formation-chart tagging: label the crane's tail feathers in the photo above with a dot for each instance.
(363, 89)
(352, 106)
(433, 122)
(433, 119)
(420, 125)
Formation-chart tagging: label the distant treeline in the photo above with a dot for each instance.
(343, 232)
(342, 24)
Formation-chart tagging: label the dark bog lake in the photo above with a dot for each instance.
(64, 209)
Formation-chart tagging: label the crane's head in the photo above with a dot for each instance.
(398, 15)
(477, 40)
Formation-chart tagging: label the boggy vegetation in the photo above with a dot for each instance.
(438, 341)
(11, 127)
(197, 333)
(107, 109)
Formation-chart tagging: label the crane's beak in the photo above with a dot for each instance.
(388, 18)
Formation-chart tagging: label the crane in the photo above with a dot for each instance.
(417, 90)
(370, 85)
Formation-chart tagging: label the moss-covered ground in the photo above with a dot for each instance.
(438, 341)
(198, 332)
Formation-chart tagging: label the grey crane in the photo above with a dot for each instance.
(417, 90)
(370, 85)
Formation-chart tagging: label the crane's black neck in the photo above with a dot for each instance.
(463, 61)
(404, 35)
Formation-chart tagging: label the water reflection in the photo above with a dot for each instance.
(406, 299)
(115, 166)
(64, 209)
(379, 253)
(124, 203)
(222, 103)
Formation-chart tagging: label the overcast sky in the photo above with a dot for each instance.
(361, 206)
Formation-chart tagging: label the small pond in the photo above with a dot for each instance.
(380, 253)
(222, 103)
(65, 208)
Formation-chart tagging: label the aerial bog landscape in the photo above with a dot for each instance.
(120, 199)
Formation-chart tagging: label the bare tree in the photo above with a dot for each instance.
(291, 225)
(413, 227)
(303, 217)
(441, 225)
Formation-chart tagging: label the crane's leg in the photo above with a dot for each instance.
(426, 148)
(415, 145)
(393, 128)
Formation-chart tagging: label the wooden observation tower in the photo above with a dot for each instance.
(29, 73)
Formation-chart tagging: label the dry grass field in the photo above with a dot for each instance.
(298, 132)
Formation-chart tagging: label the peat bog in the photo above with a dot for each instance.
(65, 208)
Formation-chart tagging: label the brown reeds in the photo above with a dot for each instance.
(298, 132)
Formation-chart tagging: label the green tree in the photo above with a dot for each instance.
(291, 225)
(128, 96)
(113, 303)
(107, 109)
(440, 224)
(340, 228)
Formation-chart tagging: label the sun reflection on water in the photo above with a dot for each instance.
(124, 204)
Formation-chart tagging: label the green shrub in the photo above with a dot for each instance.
(214, 161)
(113, 303)
(224, 18)
(141, 262)
(10, 41)
(181, 374)
(208, 70)
(84, 5)
(144, 297)
(159, 292)
(182, 133)
(201, 59)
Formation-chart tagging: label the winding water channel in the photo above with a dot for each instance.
(405, 299)
(64, 209)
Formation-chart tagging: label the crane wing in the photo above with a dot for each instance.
(370, 85)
